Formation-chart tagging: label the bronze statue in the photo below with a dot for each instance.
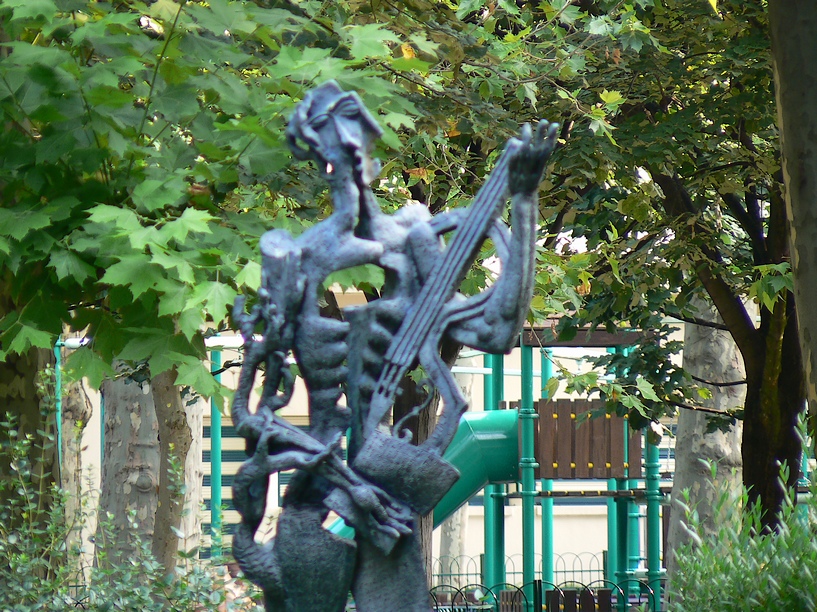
(386, 483)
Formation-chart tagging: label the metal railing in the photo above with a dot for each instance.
(578, 568)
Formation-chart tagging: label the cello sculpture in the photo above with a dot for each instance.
(386, 483)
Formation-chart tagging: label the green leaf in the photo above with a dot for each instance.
(196, 375)
(24, 54)
(249, 275)
(20, 337)
(152, 194)
(611, 98)
(84, 362)
(214, 296)
(510, 7)
(135, 271)
(17, 223)
(190, 322)
(646, 389)
(370, 275)
(123, 218)
(31, 9)
(164, 10)
(369, 40)
(599, 26)
(68, 264)
(466, 7)
(177, 102)
(191, 220)
(551, 387)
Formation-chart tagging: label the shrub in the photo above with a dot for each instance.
(39, 570)
(737, 568)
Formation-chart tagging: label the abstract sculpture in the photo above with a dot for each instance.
(386, 483)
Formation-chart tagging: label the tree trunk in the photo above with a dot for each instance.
(193, 475)
(794, 49)
(408, 397)
(774, 400)
(130, 468)
(709, 354)
(19, 396)
(454, 530)
(175, 442)
(76, 410)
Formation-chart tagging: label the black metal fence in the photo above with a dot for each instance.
(578, 568)
(597, 596)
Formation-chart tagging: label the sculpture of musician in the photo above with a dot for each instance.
(386, 482)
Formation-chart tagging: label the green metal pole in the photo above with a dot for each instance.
(58, 397)
(215, 464)
(547, 485)
(633, 522)
(612, 532)
(622, 524)
(633, 509)
(527, 467)
(500, 490)
(803, 481)
(101, 427)
(653, 487)
(489, 568)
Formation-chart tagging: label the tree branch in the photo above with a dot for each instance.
(751, 225)
(702, 409)
(729, 305)
(735, 383)
(697, 321)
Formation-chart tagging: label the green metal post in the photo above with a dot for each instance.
(633, 520)
(498, 379)
(633, 510)
(622, 532)
(101, 427)
(547, 485)
(653, 522)
(527, 467)
(499, 493)
(494, 564)
(58, 398)
(801, 510)
(215, 464)
(612, 532)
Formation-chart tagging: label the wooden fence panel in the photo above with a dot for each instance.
(600, 448)
(593, 449)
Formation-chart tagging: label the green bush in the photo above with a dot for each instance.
(40, 570)
(736, 569)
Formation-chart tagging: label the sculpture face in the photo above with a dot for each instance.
(338, 130)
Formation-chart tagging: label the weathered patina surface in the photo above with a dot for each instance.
(386, 483)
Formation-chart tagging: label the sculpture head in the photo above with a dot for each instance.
(336, 129)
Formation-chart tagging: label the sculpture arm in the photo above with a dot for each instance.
(491, 322)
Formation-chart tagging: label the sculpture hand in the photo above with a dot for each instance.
(377, 503)
(322, 456)
(525, 168)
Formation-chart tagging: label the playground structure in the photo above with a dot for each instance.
(550, 447)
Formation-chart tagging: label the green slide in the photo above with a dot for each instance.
(485, 450)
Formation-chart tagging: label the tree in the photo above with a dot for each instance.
(794, 53)
(684, 199)
(127, 129)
